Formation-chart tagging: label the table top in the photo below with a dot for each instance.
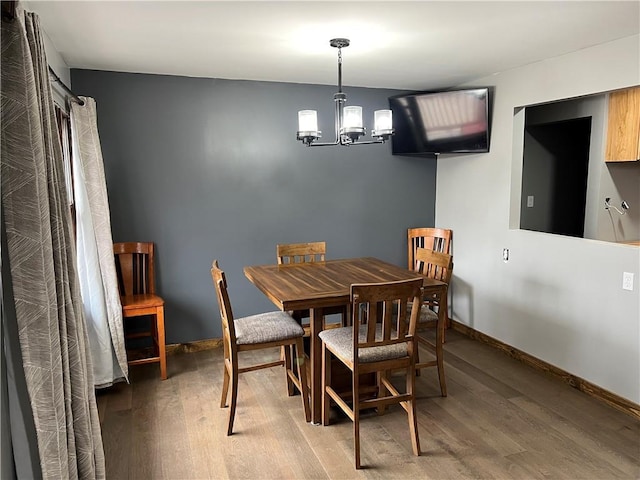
(300, 286)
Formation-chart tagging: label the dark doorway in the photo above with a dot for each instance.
(554, 176)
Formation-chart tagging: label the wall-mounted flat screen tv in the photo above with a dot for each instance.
(452, 121)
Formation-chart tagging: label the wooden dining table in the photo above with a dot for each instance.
(318, 285)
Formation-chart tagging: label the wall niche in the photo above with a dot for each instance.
(561, 179)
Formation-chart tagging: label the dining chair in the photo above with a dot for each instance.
(258, 332)
(380, 339)
(288, 253)
(438, 266)
(137, 285)
(436, 239)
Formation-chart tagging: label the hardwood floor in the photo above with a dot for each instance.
(502, 419)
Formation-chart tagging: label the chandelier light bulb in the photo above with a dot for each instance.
(307, 121)
(352, 117)
(382, 120)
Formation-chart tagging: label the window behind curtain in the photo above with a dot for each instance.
(64, 131)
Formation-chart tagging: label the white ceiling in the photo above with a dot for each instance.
(414, 45)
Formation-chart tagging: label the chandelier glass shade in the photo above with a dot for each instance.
(348, 119)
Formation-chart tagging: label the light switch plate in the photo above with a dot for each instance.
(530, 201)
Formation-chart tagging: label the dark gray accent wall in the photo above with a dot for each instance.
(210, 168)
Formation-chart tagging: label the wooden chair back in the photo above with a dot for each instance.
(135, 267)
(436, 265)
(301, 252)
(224, 304)
(386, 303)
(436, 239)
(288, 253)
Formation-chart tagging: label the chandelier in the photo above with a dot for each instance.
(348, 119)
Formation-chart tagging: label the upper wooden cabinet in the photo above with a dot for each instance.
(623, 130)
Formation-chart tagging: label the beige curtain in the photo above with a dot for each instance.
(94, 244)
(41, 263)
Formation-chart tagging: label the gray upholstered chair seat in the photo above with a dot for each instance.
(426, 314)
(340, 340)
(266, 327)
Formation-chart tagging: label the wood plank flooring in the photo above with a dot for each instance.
(502, 419)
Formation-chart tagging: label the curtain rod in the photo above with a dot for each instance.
(73, 96)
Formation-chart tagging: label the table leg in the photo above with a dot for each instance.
(316, 322)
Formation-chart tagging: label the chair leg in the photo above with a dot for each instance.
(440, 360)
(417, 355)
(225, 386)
(356, 420)
(326, 381)
(161, 342)
(285, 351)
(447, 325)
(382, 390)
(300, 361)
(411, 411)
(234, 397)
(447, 319)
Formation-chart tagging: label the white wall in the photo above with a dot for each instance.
(558, 298)
(55, 61)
